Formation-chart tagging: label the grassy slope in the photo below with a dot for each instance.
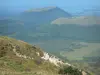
(9, 62)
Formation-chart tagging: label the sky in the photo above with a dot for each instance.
(71, 6)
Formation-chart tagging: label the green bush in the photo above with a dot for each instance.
(2, 52)
(70, 71)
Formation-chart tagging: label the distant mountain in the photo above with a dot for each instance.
(15, 29)
(81, 20)
(9, 26)
(43, 15)
(6, 13)
(80, 27)
(93, 12)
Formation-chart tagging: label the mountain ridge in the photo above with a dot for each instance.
(43, 15)
(80, 20)
(41, 9)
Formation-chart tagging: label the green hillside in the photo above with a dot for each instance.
(20, 58)
(10, 62)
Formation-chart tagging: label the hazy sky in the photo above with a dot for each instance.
(68, 5)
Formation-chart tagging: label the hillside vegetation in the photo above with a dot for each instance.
(10, 62)
(20, 58)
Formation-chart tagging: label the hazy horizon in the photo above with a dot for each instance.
(67, 5)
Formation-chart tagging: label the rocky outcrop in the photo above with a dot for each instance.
(54, 60)
(20, 55)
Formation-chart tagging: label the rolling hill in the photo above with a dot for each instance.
(81, 20)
